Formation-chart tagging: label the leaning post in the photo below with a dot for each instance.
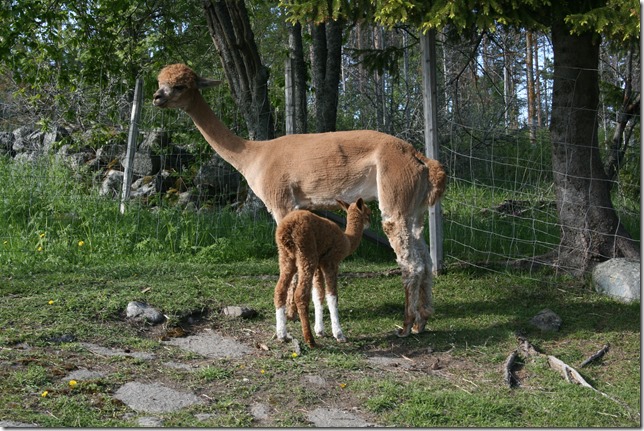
(430, 108)
(131, 143)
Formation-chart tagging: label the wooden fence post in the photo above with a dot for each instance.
(430, 107)
(131, 143)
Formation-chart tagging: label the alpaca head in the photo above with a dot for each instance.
(178, 85)
(358, 211)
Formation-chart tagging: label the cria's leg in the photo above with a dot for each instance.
(331, 280)
(318, 298)
(302, 299)
(287, 271)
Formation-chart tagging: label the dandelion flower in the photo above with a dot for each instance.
(262, 371)
(81, 243)
(51, 301)
(343, 385)
(42, 235)
(44, 394)
(294, 355)
(72, 383)
(39, 248)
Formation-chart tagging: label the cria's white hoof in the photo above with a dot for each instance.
(341, 338)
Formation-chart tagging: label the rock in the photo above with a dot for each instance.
(547, 320)
(618, 278)
(83, 374)
(52, 137)
(216, 178)
(12, 424)
(154, 398)
(211, 345)
(260, 411)
(112, 184)
(335, 418)
(140, 311)
(150, 422)
(236, 311)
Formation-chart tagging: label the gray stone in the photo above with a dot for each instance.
(149, 422)
(140, 311)
(154, 398)
(260, 411)
(547, 320)
(312, 379)
(83, 374)
(211, 345)
(217, 178)
(13, 424)
(112, 184)
(6, 143)
(335, 418)
(236, 311)
(618, 278)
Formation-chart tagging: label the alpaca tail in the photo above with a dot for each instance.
(437, 178)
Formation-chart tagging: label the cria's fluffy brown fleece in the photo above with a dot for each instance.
(306, 242)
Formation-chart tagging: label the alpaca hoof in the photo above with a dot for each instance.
(403, 332)
(320, 333)
(418, 328)
(341, 338)
(285, 338)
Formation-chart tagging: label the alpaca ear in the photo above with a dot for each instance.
(344, 205)
(207, 83)
(360, 203)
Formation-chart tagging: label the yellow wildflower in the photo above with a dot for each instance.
(72, 383)
(343, 385)
(51, 301)
(44, 394)
(294, 355)
(39, 248)
(81, 243)
(42, 235)
(262, 371)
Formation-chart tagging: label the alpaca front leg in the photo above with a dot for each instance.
(280, 325)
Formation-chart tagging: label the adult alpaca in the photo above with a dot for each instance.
(311, 171)
(307, 243)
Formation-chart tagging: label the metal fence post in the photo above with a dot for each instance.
(131, 143)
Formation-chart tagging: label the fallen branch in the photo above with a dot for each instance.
(570, 374)
(509, 378)
(599, 354)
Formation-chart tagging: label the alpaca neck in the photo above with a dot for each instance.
(229, 146)
(354, 232)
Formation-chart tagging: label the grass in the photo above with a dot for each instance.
(71, 263)
(472, 332)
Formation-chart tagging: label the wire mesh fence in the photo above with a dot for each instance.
(62, 184)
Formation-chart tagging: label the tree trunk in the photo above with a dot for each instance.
(233, 37)
(234, 40)
(298, 70)
(590, 229)
(530, 82)
(327, 59)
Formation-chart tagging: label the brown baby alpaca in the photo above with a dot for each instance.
(307, 242)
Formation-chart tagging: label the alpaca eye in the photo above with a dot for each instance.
(180, 87)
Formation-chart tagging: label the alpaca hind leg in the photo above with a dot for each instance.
(287, 272)
(412, 266)
(331, 280)
(425, 303)
(318, 298)
(291, 308)
(302, 298)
